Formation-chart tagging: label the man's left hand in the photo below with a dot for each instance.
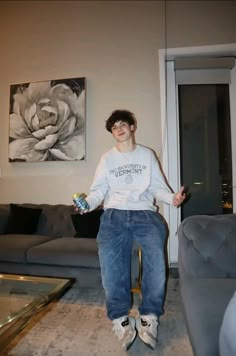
(179, 197)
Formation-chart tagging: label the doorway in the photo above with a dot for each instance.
(205, 148)
(174, 126)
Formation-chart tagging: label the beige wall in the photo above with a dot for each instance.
(114, 44)
(200, 22)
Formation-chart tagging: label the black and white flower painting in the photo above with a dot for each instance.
(47, 121)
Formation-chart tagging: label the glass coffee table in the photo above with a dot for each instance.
(21, 297)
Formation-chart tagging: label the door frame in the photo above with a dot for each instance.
(172, 172)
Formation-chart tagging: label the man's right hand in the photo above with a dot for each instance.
(80, 211)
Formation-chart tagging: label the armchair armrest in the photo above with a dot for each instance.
(207, 246)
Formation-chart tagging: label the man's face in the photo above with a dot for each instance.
(122, 131)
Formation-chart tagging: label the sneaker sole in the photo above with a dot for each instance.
(132, 341)
(148, 345)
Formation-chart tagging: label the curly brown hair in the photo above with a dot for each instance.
(120, 115)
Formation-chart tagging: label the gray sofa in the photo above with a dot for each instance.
(56, 248)
(207, 270)
(52, 249)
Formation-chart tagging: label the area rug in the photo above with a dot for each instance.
(77, 325)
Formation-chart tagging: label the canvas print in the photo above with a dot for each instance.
(47, 121)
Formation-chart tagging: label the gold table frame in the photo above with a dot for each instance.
(13, 323)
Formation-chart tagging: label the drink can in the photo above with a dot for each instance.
(80, 202)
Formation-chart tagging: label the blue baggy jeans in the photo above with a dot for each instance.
(118, 229)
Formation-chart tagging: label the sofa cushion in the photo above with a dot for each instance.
(22, 220)
(55, 220)
(87, 225)
(13, 247)
(204, 302)
(66, 251)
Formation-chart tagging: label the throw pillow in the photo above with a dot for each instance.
(87, 225)
(22, 220)
(4, 215)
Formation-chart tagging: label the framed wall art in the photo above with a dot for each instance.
(47, 121)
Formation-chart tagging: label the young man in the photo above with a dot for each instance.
(128, 181)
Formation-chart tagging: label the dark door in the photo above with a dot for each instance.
(205, 148)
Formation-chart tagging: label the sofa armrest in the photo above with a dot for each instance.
(207, 246)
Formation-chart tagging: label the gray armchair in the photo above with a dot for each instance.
(207, 269)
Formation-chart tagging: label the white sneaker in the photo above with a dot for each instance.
(147, 329)
(124, 329)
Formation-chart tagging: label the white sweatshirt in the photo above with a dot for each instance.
(129, 181)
